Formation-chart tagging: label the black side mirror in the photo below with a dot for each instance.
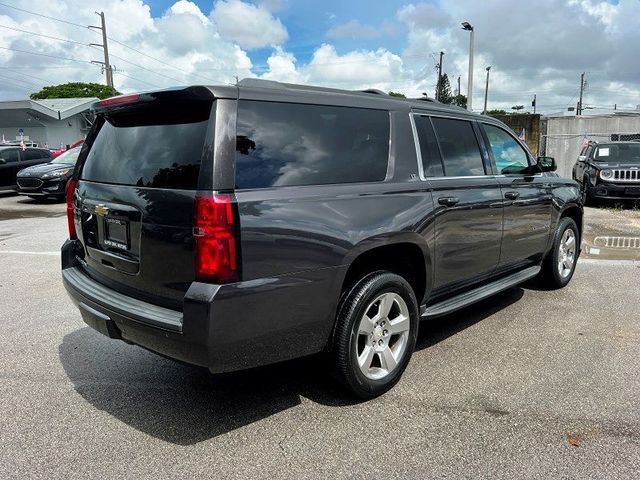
(547, 164)
(2, 161)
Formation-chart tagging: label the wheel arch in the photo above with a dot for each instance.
(406, 254)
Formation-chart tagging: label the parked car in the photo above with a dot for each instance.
(18, 143)
(59, 151)
(14, 159)
(231, 227)
(48, 179)
(609, 171)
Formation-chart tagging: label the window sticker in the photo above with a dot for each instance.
(603, 152)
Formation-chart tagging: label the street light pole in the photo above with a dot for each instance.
(486, 91)
(468, 27)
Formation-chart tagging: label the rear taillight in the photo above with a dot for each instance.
(120, 99)
(216, 253)
(71, 190)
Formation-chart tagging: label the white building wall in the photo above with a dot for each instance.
(35, 133)
(63, 132)
(51, 132)
(564, 135)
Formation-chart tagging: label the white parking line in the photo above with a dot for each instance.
(23, 252)
(608, 263)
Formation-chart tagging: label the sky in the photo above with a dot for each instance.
(534, 48)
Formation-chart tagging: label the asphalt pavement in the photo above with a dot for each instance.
(529, 384)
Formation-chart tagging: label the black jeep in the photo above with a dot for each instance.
(609, 171)
(237, 226)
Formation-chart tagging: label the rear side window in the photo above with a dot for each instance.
(32, 154)
(284, 144)
(459, 146)
(158, 147)
(9, 155)
(431, 160)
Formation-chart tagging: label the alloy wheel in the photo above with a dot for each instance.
(382, 335)
(566, 253)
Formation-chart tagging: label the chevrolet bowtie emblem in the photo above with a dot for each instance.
(101, 210)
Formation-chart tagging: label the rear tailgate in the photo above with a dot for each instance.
(136, 190)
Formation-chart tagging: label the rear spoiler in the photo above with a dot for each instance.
(121, 102)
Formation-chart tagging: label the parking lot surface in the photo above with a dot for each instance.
(528, 384)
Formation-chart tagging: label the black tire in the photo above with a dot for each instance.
(550, 276)
(355, 303)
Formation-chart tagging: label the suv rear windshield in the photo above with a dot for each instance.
(158, 146)
(618, 153)
(285, 144)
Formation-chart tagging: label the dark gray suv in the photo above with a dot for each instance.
(237, 226)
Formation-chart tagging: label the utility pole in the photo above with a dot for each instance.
(534, 103)
(486, 91)
(468, 27)
(108, 70)
(439, 84)
(459, 92)
(579, 109)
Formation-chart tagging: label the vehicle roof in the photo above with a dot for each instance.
(17, 145)
(258, 89)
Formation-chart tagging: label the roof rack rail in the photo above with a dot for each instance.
(425, 99)
(260, 83)
(375, 91)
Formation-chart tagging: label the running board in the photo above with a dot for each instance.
(465, 299)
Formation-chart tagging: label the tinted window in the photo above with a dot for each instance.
(282, 144)
(32, 154)
(431, 161)
(159, 147)
(509, 156)
(9, 155)
(618, 153)
(459, 147)
(69, 157)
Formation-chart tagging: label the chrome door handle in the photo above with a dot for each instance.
(448, 201)
(512, 195)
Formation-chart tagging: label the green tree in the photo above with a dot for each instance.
(75, 90)
(497, 112)
(517, 108)
(397, 94)
(444, 90)
(460, 100)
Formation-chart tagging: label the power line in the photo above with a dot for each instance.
(43, 16)
(26, 74)
(45, 36)
(118, 72)
(156, 59)
(46, 55)
(147, 69)
(26, 82)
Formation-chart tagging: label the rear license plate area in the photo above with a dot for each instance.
(116, 233)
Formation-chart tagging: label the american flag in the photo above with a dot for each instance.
(523, 135)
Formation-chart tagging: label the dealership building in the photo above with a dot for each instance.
(52, 122)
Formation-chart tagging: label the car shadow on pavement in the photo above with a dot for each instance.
(438, 329)
(185, 405)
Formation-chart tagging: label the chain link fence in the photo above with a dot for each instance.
(566, 147)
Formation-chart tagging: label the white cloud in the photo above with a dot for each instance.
(537, 48)
(353, 29)
(355, 70)
(248, 25)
